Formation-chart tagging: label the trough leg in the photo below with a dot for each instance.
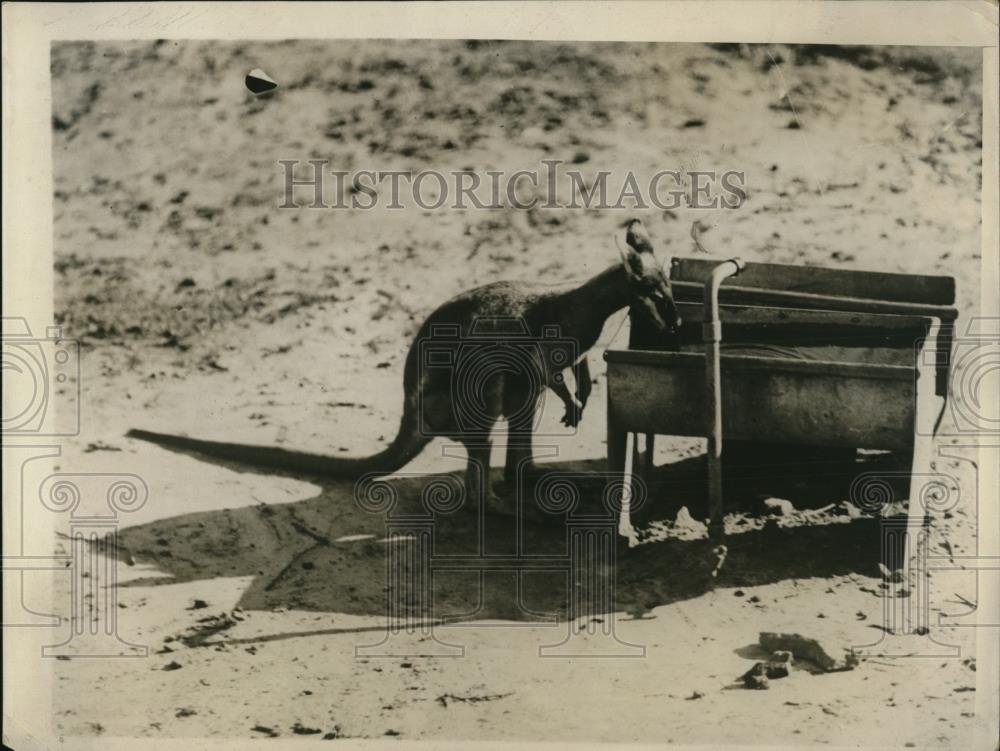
(924, 484)
(617, 443)
(634, 457)
(618, 451)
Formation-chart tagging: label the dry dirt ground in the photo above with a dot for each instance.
(203, 309)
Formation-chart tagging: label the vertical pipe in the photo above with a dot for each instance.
(711, 335)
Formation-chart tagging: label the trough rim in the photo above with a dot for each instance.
(731, 362)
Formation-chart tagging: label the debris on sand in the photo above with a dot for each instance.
(780, 664)
(783, 507)
(850, 510)
(197, 604)
(804, 648)
(172, 665)
(894, 577)
(638, 610)
(299, 729)
(200, 633)
(688, 526)
(443, 699)
(99, 446)
(269, 732)
(756, 677)
(720, 552)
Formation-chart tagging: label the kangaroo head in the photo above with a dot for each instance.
(650, 286)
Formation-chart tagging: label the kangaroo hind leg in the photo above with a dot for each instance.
(520, 407)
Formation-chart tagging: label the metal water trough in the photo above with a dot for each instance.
(776, 355)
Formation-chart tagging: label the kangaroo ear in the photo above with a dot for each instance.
(636, 237)
(632, 262)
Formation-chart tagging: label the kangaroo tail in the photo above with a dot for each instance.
(406, 445)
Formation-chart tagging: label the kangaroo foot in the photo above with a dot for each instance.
(504, 488)
(494, 496)
(505, 505)
(529, 473)
(525, 507)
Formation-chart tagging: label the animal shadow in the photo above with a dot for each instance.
(329, 553)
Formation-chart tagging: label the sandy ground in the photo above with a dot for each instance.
(203, 309)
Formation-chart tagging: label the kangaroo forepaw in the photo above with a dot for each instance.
(573, 414)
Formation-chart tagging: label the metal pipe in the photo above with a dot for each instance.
(740, 295)
(711, 335)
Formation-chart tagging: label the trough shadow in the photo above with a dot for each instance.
(809, 478)
(327, 554)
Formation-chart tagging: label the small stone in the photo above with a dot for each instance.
(259, 82)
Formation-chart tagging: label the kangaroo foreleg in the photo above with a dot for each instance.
(573, 407)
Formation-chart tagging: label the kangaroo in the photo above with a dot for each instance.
(488, 324)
